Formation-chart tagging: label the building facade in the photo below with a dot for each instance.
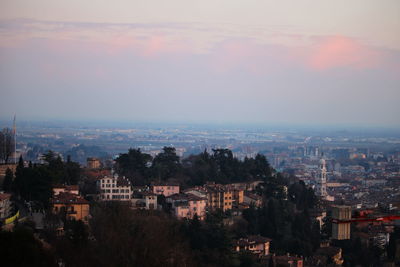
(114, 189)
(256, 244)
(73, 206)
(72, 189)
(93, 163)
(144, 200)
(188, 205)
(166, 189)
(320, 188)
(340, 222)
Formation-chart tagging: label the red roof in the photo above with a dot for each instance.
(68, 198)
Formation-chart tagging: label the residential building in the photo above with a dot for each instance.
(73, 206)
(165, 189)
(114, 188)
(72, 189)
(93, 163)
(256, 244)
(188, 205)
(252, 199)
(237, 196)
(219, 197)
(144, 200)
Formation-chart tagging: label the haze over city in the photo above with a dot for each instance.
(303, 62)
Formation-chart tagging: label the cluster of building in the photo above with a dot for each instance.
(191, 202)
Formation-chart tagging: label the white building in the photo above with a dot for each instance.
(114, 188)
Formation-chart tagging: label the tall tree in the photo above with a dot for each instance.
(8, 179)
(6, 144)
(166, 164)
(134, 165)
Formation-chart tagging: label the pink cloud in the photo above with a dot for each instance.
(339, 51)
(324, 54)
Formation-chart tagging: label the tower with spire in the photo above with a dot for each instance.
(321, 179)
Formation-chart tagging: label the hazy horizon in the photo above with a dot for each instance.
(125, 124)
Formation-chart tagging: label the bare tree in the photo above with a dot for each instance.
(6, 144)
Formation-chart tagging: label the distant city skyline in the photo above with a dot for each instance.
(255, 62)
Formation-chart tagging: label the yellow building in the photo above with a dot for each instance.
(93, 163)
(238, 196)
(73, 206)
(219, 197)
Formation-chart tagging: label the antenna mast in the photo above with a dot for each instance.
(15, 139)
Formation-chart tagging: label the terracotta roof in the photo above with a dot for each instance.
(67, 187)
(68, 198)
(252, 196)
(186, 197)
(166, 184)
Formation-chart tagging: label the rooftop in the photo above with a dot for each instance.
(68, 198)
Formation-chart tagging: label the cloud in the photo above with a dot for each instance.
(340, 51)
(225, 48)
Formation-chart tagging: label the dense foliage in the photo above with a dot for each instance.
(35, 182)
(220, 166)
(21, 248)
(6, 144)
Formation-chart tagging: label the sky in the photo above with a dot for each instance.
(226, 61)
